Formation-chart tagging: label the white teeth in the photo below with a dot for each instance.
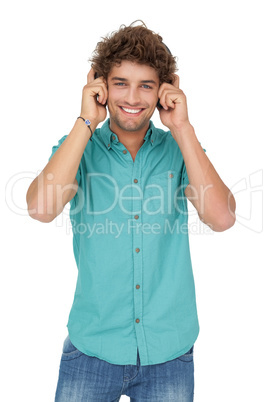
(131, 110)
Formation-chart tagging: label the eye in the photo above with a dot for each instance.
(120, 84)
(146, 86)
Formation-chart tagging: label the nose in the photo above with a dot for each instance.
(132, 96)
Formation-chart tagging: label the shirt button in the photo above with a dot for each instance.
(137, 250)
(135, 180)
(136, 216)
(113, 137)
(137, 286)
(171, 175)
(137, 320)
(125, 151)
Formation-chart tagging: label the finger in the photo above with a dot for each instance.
(164, 99)
(99, 91)
(169, 102)
(165, 87)
(102, 95)
(90, 76)
(161, 89)
(167, 98)
(176, 81)
(163, 103)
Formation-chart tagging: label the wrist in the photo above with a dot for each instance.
(83, 128)
(88, 125)
(182, 130)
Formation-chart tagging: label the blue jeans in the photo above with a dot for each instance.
(85, 378)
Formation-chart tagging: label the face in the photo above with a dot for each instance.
(132, 96)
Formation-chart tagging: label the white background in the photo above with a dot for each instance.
(222, 60)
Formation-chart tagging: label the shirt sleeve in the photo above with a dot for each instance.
(56, 147)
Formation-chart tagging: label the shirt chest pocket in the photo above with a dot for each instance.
(163, 194)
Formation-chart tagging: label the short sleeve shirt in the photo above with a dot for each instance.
(135, 286)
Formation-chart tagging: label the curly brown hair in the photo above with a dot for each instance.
(134, 43)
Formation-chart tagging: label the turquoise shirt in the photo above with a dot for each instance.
(135, 285)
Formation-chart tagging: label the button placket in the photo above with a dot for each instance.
(136, 222)
(121, 150)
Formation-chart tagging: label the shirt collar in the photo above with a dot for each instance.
(109, 137)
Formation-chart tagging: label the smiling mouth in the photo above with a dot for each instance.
(130, 110)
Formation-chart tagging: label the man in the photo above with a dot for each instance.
(134, 321)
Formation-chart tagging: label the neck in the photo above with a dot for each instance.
(132, 140)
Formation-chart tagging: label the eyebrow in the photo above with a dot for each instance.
(149, 82)
(143, 81)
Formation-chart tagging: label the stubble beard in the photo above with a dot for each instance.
(129, 124)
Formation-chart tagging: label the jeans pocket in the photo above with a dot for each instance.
(69, 351)
(188, 357)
